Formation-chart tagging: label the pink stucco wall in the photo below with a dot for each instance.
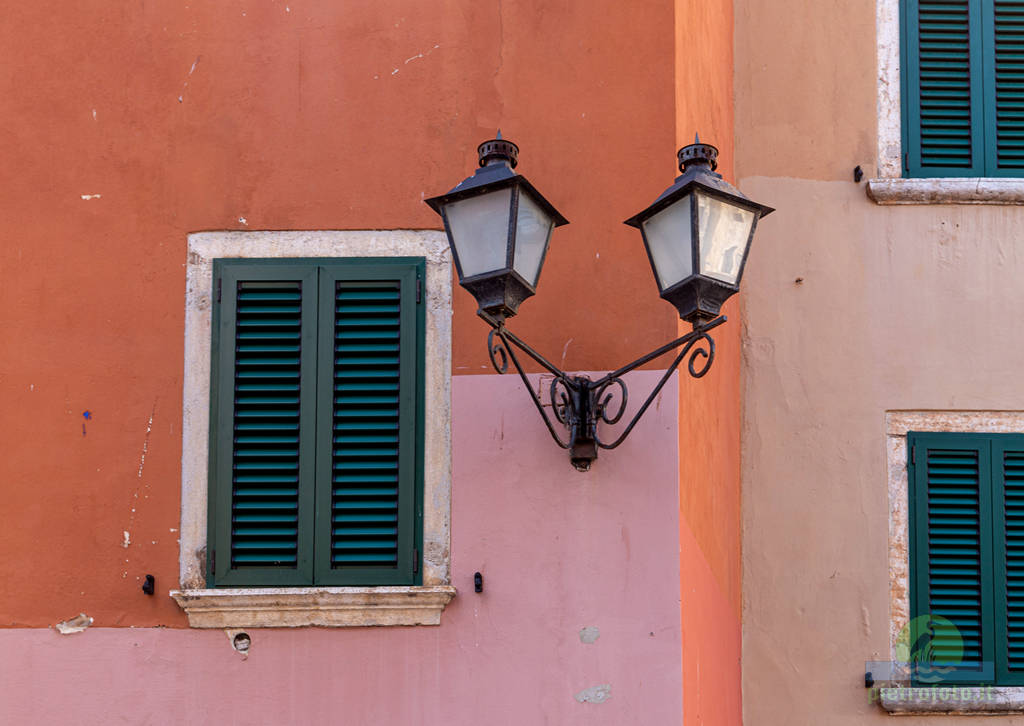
(559, 551)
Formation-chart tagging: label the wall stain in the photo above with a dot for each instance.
(594, 694)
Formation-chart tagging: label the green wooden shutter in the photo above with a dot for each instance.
(1004, 93)
(1008, 505)
(262, 424)
(369, 431)
(951, 550)
(943, 130)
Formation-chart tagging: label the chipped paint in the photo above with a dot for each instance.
(127, 540)
(594, 694)
(87, 197)
(74, 625)
(145, 443)
(191, 70)
(589, 634)
(565, 350)
(422, 55)
(415, 57)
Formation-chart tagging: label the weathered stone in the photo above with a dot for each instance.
(292, 607)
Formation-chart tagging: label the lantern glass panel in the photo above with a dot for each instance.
(724, 233)
(479, 230)
(669, 239)
(533, 230)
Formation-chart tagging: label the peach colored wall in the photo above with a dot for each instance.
(559, 551)
(806, 101)
(852, 309)
(877, 324)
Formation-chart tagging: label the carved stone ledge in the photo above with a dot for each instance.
(965, 700)
(984, 190)
(294, 607)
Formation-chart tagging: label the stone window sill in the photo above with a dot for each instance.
(953, 700)
(294, 607)
(984, 190)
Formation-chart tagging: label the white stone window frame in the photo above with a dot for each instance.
(890, 187)
(316, 606)
(933, 700)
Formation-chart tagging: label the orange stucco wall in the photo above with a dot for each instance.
(709, 429)
(129, 125)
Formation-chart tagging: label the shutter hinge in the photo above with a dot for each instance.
(913, 454)
(906, 161)
(218, 289)
(415, 561)
(419, 291)
(213, 562)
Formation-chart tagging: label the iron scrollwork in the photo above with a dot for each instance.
(580, 404)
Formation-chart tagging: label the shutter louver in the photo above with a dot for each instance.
(316, 423)
(951, 556)
(366, 419)
(1009, 84)
(1013, 480)
(265, 459)
(944, 84)
(955, 551)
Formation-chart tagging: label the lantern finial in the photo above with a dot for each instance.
(498, 151)
(698, 154)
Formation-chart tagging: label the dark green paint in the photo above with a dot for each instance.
(986, 578)
(1008, 497)
(358, 557)
(962, 83)
(372, 383)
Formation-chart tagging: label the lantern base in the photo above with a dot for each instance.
(499, 295)
(699, 299)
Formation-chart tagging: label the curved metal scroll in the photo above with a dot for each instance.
(501, 347)
(561, 400)
(578, 403)
(603, 400)
(504, 349)
(693, 347)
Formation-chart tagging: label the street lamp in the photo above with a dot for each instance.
(498, 226)
(697, 235)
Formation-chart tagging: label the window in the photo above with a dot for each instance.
(967, 551)
(316, 421)
(962, 88)
(356, 592)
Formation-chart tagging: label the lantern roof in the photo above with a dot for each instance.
(697, 162)
(498, 157)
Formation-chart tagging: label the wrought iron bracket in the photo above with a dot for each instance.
(580, 404)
